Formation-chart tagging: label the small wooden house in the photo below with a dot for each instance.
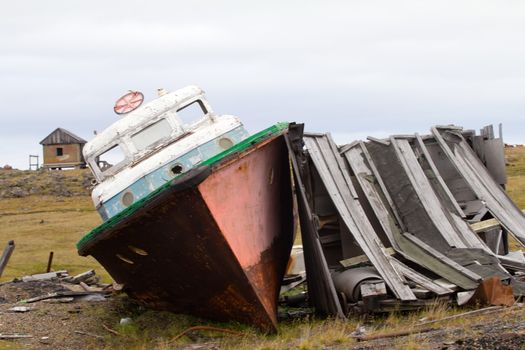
(63, 149)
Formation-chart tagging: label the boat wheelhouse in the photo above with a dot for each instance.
(153, 144)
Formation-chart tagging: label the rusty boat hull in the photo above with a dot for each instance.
(213, 243)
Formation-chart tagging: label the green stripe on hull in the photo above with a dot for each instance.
(241, 146)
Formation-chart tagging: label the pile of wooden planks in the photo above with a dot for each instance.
(413, 208)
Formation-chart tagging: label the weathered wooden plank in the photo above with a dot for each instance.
(463, 230)
(15, 336)
(421, 279)
(322, 293)
(385, 142)
(438, 255)
(426, 194)
(459, 229)
(342, 166)
(364, 174)
(486, 224)
(439, 267)
(509, 262)
(495, 160)
(382, 185)
(486, 189)
(361, 259)
(355, 157)
(344, 148)
(468, 235)
(435, 170)
(326, 159)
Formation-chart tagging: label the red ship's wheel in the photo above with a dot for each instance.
(129, 102)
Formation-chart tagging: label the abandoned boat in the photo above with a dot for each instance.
(198, 218)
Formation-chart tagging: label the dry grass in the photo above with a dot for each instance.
(515, 158)
(40, 224)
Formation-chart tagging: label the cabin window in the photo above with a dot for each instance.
(110, 158)
(152, 134)
(192, 112)
(60, 151)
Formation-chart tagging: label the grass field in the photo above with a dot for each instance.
(515, 158)
(43, 222)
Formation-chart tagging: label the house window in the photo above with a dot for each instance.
(60, 151)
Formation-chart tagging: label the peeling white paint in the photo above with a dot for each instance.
(137, 164)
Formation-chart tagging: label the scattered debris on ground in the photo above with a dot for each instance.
(399, 223)
(48, 308)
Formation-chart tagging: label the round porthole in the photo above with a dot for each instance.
(177, 169)
(225, 143)
(127, 199)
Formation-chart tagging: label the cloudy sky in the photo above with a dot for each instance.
(354, 68)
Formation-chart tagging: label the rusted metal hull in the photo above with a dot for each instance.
(214, 244)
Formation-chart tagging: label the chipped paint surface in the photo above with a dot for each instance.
(146, 166)
(152, 180)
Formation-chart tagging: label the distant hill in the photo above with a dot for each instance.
(22, 183)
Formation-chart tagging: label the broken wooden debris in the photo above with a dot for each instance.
(362, 259)
(87, 288)
(335, 177)
(66, 292)
(322, 294)
(393, 334)
(44, 276)
(82, 277)
(110, 330)
(19, 309)
(15, 336)
(90, 334)
(484, 225)
(411, 207)
(57, 295)
(59, 300)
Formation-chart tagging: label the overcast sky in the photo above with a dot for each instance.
(354, 68)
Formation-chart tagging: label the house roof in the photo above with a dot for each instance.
(62, 136)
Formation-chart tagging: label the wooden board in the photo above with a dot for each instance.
(481, 182)
(322, 293)
(328, 163)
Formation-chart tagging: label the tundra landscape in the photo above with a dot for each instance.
(49, 211)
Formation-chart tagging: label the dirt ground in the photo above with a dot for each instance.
(492, 332)
(84, 325)
(51, 325)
